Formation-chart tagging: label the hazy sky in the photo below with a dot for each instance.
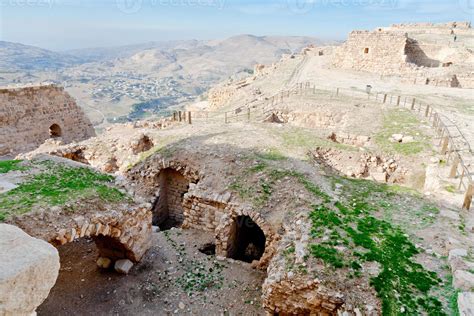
(69, 24)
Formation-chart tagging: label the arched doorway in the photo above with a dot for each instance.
(55, 131)
(168, 210)
(246, 240)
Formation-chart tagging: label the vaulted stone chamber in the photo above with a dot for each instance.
(246, 240)
(168, 210)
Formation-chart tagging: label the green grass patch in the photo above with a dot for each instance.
(400, 121)
(11, 165)
(297, 138)
(351, 224)
(450, 188)
(57, 185)
(272, 155)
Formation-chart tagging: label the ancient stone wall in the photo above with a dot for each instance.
(31, 115)
(202, 212)
(432, 28)
(379, 51)
(427, 25)
(169, 207)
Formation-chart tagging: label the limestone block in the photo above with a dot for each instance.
(466, 303)
(463, 280)
(29, 268)
(123, 266)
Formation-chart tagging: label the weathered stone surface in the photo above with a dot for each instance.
(463, 280)
(30, 113)
(123, 266)
(449, 214)
(466, 303)
(29, 268)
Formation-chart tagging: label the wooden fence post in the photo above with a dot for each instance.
(384, 98)
(179, 116)
(174, 116)
(189, 118)
(398, 100)
(454, 168)
(444, 148)
(427, 110)
(413, 104)
(468, 197)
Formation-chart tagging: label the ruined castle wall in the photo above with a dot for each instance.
(427, 25)
(432, 28)
(26, 115)
(379, 51)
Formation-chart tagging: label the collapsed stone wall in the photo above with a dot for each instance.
(292, 289)
(319, 119)
(31, 115)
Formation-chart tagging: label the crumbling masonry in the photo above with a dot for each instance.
(31, 115)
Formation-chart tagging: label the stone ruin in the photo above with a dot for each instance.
(179, 200)
(33, 114)
(393, 51)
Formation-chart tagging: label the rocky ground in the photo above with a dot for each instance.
(174, 277)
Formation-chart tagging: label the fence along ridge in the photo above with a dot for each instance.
(448, 144)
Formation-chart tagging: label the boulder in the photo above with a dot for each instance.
(397, 138)
(466, 303)
(408, 139)
(123, 266)
(463, 280)
(29, 268)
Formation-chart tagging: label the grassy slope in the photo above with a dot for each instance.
(56, 184)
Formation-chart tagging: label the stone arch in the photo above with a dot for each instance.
(115, 237)
(168, 209)
(55, 131)
(233, 231)
(246, 240)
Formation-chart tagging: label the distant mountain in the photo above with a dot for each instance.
(19, 57)
(208, 60)
(280, 43)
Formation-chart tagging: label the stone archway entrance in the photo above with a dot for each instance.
(246, 240)
(55, 131)
(168, 210)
